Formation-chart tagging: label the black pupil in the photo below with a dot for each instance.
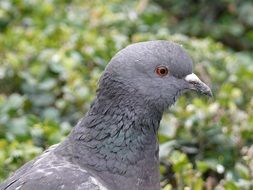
(162, 71)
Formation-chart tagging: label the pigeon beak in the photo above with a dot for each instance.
(198, 85)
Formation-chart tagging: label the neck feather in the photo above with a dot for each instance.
(118, 135)
(119, 130)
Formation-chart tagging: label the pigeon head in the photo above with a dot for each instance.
(156, 71)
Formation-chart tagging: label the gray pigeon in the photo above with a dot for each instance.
(115, 146)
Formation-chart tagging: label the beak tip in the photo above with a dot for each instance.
(206, 91)
(209, 93)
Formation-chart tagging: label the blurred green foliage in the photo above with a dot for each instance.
(52, 53)
(229, 21)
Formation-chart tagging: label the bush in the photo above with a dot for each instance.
(227, 21)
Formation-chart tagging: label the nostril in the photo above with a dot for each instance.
(193, 83)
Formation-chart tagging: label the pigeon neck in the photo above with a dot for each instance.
(118, 128)
(118, 133)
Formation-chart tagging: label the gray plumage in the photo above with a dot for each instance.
(115, 146)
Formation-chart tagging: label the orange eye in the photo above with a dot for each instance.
(161, 71)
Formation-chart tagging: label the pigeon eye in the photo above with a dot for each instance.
(161, 71)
